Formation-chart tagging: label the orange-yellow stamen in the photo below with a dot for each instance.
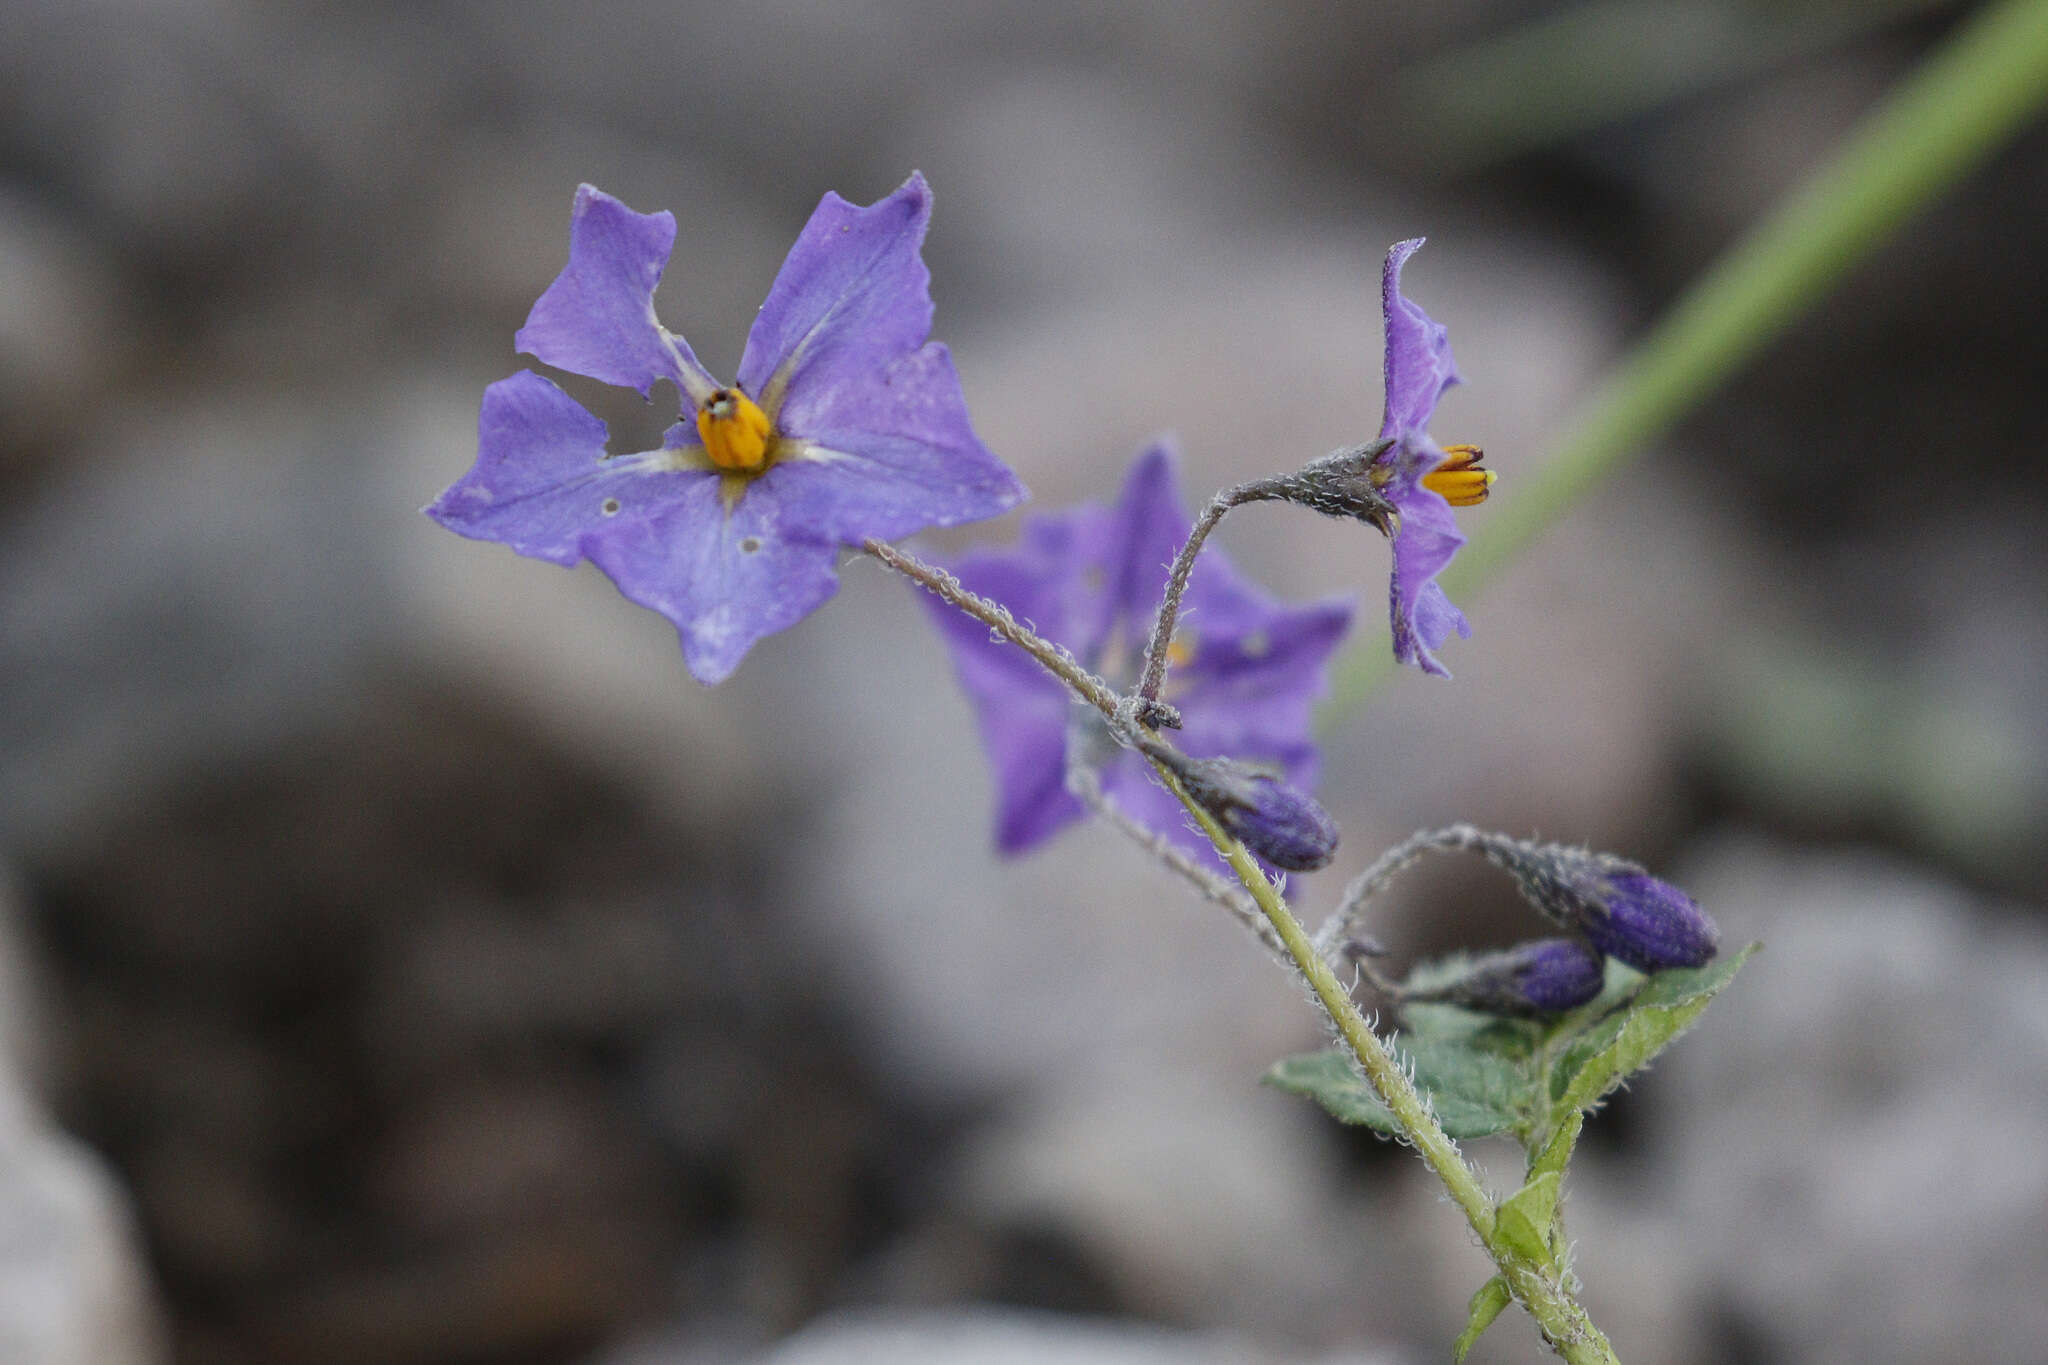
(737, 434)
(1459, 479)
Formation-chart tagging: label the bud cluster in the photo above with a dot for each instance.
(1607, 906)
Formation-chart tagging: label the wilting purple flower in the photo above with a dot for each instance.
(1247, 669)
(1546, 976)
(1421, 480)
(843, 423)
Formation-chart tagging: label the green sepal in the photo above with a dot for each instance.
(1486, 1305)
(1625, 1040)
(1474, 1082)
(1524, 1218)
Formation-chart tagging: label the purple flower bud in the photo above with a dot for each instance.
(1621, 910)
(1283, 825)
(1546, 976)
(1280, 823)
(1649, 924)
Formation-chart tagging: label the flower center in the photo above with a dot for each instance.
(737, 435)
(1460, 479)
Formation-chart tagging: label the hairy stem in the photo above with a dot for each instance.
(998, 619)
(1084, 783)
(1154, 676)
(1344, 920)
(1538, 1288)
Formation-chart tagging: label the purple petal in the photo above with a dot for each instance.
(597, 318)
(1423, 616)
(1128, 780)
(726, 577)
(1418, 359)
(1253, 693)
(1022, 713)
(1022, 717)
(542, 483)
(906, 459)
(1152, 524)
(1257, 665)
(852, 297)
(1053, 579)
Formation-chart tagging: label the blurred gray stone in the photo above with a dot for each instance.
(991, 1336)
(205, 586)
(64, 328)
(74, 1287)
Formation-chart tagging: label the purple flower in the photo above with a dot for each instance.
(843, 423)
(1247, 670)
(1421, 480)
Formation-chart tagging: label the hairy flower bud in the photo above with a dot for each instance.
(1280, 823)
(1546, 976)
(1650, 924)
(1621, 909)
(1346, 483)
(1283, 825)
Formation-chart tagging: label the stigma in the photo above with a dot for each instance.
(737, 434)
(1460, 479)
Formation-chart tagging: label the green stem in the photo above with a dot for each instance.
(1972, 95)
(1564, 1324)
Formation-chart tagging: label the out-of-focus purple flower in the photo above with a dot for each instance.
(843, 423)
(1546, 976)
(1420, 479)
(1247, 669)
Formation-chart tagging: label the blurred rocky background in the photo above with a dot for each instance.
(405, 961)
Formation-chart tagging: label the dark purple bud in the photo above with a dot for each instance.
(1281, 824)
(1622, 910)
(1649, 924)
(1547, 976)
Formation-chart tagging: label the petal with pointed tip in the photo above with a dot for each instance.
(597, 318)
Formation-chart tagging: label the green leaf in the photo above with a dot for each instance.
(1473, 1082)
(1523, 1221)
(1486, 1306)
(1621, 1043)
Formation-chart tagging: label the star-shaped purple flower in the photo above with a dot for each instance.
(1247, 669)
(1421, 480)
(844, 423)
